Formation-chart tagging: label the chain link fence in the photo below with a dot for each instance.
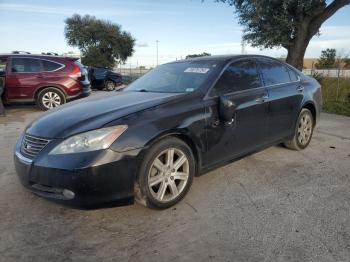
(328, 72)
(131, 73)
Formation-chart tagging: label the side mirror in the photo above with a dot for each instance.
(226, 109)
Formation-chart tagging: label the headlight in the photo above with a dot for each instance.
(89, 141)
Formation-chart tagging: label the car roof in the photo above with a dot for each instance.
(224, 58)
(39, 56)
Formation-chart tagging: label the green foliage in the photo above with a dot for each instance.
(274, 23)
(197, 55)
(339, 108)
(284, 23)
(317, 76)
(101, 42)
(327, 59)
(332, 103)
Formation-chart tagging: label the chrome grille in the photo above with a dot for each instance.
(31, 145)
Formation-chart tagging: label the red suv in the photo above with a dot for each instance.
(48, 80)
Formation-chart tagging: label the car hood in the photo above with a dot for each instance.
(93, 112)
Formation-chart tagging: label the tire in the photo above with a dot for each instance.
(161, 192)
(110, 85)
(303, 131)
(49, 98)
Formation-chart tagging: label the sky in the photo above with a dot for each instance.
(182, 27)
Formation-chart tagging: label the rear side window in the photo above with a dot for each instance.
(50, 66)
(293, 75)
(273, 72)
(26, 65)
(241, 75)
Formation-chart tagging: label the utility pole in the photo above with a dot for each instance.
(242, 45)
(157, 51)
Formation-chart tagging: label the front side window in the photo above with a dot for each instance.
(241, 75)
(179, 77)
(273, 72)
(26, 65)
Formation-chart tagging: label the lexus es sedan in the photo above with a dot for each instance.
(176, 122)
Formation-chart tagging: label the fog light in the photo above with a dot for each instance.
(68, 194)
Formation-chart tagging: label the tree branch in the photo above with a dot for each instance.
(330, 10)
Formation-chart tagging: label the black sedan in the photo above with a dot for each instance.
(103, 78)
(176, 122)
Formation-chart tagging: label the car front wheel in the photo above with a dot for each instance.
(110, 85)
(303, 131)
(166, 174)
(50, 98)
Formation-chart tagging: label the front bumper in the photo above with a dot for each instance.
(80, 180)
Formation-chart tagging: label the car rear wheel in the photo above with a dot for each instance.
(303, 131)
(166, 174)
(110, 85)
(49, 98)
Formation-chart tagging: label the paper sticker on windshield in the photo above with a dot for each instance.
(197, 70)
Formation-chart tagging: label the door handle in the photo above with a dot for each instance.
(262, 99)
(300, 88)
(215, 123)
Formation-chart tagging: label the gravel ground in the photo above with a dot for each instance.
(275, 205)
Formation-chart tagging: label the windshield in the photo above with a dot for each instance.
(180, 77)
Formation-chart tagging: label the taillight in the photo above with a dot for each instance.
(75, 73)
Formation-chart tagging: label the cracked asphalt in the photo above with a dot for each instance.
(275, 205)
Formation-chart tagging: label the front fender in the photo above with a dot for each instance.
(185, 121)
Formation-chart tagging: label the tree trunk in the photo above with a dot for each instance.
(306, 30)
(295, 57)
(297, 48)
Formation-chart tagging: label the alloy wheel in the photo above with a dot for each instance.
(110, 85)
(304, 129)
(51, 100)
(168, 175)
